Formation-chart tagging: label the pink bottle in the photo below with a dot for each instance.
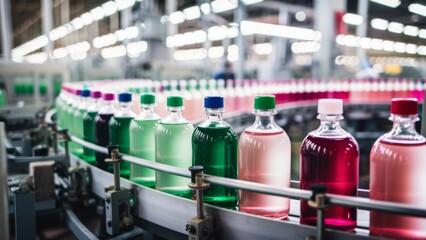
(264, 157)
(330, 156)
(397, 173)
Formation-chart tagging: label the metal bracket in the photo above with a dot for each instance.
(319, 201)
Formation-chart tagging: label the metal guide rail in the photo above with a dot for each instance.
(172, 212)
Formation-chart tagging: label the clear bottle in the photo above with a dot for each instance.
(77, 126)
(330, 156)
(264, 156)
(397, 172)
(102, 136)
(215, 146)
(173, 147)
(119, 129)
(89, 125)
(142, 140)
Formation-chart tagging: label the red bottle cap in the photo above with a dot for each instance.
(404, 106)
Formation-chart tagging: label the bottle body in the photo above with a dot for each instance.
(78, 126)
(331, 161)
(215, 148)
(119, 130)
(264, 158)
(173, 147)
(102, 137)
(89, 135)
(142, 139)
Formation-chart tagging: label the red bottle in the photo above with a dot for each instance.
(330, 156)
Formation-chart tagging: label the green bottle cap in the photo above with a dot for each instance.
(264, 102)
(147, 98)
(174, 101)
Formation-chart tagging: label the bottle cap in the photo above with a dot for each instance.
(108, 96)
(77, 92)
(174, 101)
(147, 98)
(404, 106)
(125, 97)
(330, 106)
(213, 102)
(85, 93)
(264, 102)
(96, 94)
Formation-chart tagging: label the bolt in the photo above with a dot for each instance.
(107, 199)
(190, 228)
(109, 223)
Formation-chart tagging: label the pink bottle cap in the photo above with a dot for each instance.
(330, 106)
(77, 92)
(108, 96)
(404, 106)
(96, 94)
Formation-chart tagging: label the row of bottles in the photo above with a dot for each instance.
(239, 95)
(328, 155)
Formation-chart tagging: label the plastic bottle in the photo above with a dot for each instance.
(173, 147)
(89, 125)
(106, 112)
(264, 156)
(197, 100)
(214, 145)
(119, 129)
(142, 140)
(77, 117)
(330, 156)
(397, 172)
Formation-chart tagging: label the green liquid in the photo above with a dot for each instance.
(89, 135)
(173, 147)
(142, 144)
(78, 125)
(216, 150)
(119, 129)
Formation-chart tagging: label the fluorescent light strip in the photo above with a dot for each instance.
(417, 9)
(249, 27)
(380, 24)
(388, 3)
(352, 19)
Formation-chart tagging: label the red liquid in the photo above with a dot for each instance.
(102, 138)
(397, 173)
(334, 163)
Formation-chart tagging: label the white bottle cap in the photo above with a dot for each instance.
(330, 106)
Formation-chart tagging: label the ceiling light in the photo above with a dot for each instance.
(249, 2)
(123, 4)
(379, 23)
(422, 33)
(248, 27)
(86, 18)
(98, 13)
(411, 48)
(205, 8)
(300, 16)
(417, 8)
(219, 6)
(192, 12)
(131, 32)
(411, 31)
(396, 27)
(389, 3)
(77, 23)
(110, 8)
(399, 47)
(177, 17)
(353, 19)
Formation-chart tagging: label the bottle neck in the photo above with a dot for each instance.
(148, 112)
(404, 130)
(125, 110)
(330, 126)
(107, 108)
(214, 114)
(175, 116)
(265, 122)
(94, 105)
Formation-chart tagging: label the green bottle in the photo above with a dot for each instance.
(78, 123)
(89, 125)
(142, 140)
(3, 98)
(70, 122)
(119, 129)
(215, 147)
(173, 147)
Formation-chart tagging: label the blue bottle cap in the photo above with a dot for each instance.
(125, 97)
(85, 93)
(213, 102)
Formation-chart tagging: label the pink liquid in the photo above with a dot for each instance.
(264, 158)
(397, 173)
(334, 163)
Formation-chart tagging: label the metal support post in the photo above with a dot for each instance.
(319, 201)
(6, 29)
(65, 138)
(240, 15)
(4, 214)
(200, 227)
(54, 131)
